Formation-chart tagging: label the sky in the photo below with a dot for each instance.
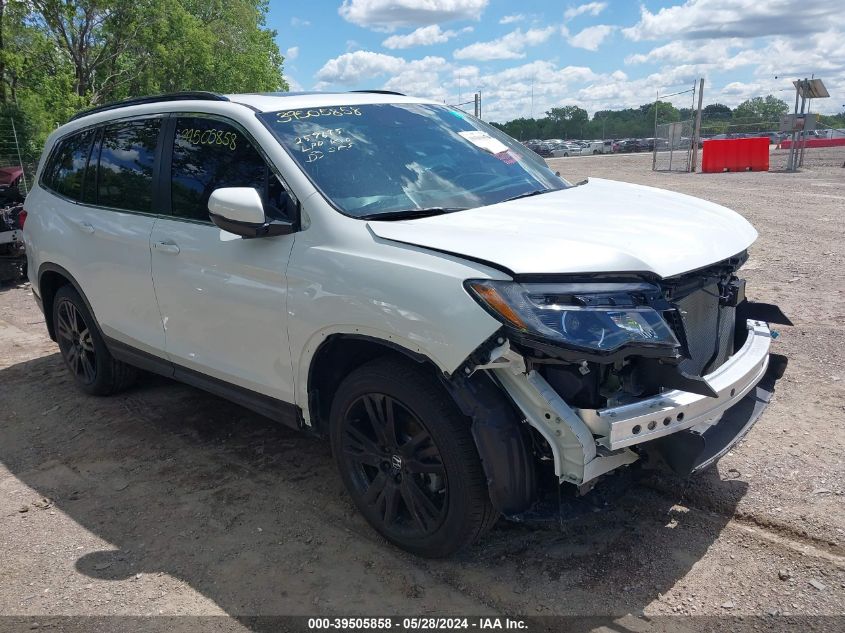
(528, 56)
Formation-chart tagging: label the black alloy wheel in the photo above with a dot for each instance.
(407, 458)
(82, 347)
(75, 342)
(395, 466)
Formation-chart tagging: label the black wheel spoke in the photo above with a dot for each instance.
(432, 467)
(413, 444)
(72, 317)
(63, 329)
(421, 508)
(380, 412)
(73, 359)
(362, 448)
(429, 452)
(87, 366)
(391, 503)
(376, 489)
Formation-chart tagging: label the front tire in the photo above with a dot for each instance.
(408, 460)
(86, 356)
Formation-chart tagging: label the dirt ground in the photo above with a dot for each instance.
(166, 500)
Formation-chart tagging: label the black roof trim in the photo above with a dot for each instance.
(190, 95)
(382, 92)
(323, 92)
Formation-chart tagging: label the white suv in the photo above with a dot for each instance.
(467, 328)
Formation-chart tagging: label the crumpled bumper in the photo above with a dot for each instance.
(700, 446)
(690, 431)
(674, 411)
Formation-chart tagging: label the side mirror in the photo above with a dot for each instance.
(239, 210)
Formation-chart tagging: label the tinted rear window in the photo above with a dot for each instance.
(127, 155)
(65, 171)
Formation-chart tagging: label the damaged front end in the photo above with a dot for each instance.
(608, 370)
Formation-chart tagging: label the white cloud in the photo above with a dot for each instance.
(510, 19)
(680, 51)
(423, 36)
(387, 15)
(591, 8)
(292, 53)
(591, 37)
(299, 22)
(421, 76)
(350, 68)
(707, 19)
(510, 46)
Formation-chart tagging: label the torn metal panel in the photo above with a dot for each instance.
(675, 410)
(576, 459)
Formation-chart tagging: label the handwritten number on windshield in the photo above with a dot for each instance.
(317, 144)
(300, 115)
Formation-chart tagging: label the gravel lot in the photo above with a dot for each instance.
(166, 500)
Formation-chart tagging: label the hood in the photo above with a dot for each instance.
(603, 226)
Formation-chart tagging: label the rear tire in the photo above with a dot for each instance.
(408, 460)
(86, 356)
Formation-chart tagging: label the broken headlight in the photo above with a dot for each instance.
(600, 317)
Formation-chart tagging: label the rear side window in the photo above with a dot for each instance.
(65, 172)
(209, 154)
(126, 159)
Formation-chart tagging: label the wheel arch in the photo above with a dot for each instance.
(335, 357)
(502, 444)
(51, 277)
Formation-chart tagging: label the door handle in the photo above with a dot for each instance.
(85, 227)
(167, 247)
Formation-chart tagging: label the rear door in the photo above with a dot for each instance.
(222, 298)
(104, 215)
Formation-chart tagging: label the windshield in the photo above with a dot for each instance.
(383, 159)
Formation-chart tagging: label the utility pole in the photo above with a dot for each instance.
(532, 97)
(696, 136)
(654, 152)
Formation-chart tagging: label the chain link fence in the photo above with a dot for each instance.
(673, 146)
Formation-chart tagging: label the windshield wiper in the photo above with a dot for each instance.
(409, 214)
(536, 192)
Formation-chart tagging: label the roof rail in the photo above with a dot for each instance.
(381, 92)
(188, 95)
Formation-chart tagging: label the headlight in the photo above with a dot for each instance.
(600, 317)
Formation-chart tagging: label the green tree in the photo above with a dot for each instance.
(717, 111)
(567, 121)
(58, 56)
(762, 109)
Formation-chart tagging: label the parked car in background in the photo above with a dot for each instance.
(541, 149)
(11, 179)
(600, 147)
(565, 150)
(645, 145)
(627, 145)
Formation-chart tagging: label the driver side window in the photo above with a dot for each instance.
(209, 154)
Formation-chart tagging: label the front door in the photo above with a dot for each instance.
(222, 298)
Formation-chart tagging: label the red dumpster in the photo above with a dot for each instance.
(735, 154)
